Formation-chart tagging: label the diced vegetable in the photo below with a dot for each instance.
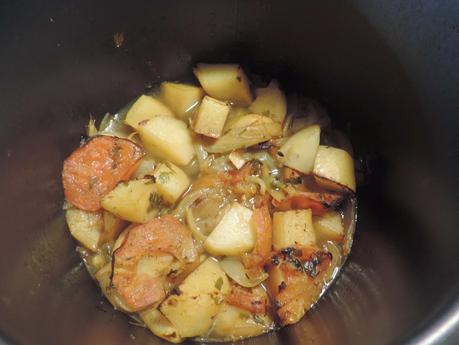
(336, 165)
(198, 300)
(132, 200)
(233, 323)
(225, 82)
(168, 138)
(247, 131)
(293, 228)
(171, 181)
(85, 226)
(270, 101)
(94, 169)
(236, 158)
(181, 98)
(145, 108)
(211, 117)
(160, 325)
(113, 225)
(299, 151)
(293, 293)
(233, 235)
(329, 226)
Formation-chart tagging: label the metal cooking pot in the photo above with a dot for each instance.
(387, 70)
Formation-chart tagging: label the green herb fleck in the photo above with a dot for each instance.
(164, 177)
(151, 179)
(157, 201)
(294, 180)
(217, 299)
(169, 166)
(258, 319)
(219, 283)
(276, 184)
(243, 316)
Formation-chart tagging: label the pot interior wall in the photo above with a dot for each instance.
(386, 70)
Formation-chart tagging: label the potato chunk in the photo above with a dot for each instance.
(329, 226)
(226, 82)
(85, 226)
(232, 323)
(299, 151)
(211, 117)
(192, 311)
(113, 225)
(293, 228)
(171, 181)
(336, 165)
(236, 158)
(168, 138)
(131, 200)
(270, 101)
(159, 325)
(145, 108)
(233, 235)
(181, 98)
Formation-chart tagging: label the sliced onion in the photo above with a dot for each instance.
(236, 271)
(335, 263)
(258, 181)
(269, 169)
(190, 198)
(91, 129)
(201, 156)
(198, 235)
(114, 125)
(221, 163)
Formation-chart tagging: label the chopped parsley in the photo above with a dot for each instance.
(219, 283)
(164, 176)
(258, 319)
(157, 201)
